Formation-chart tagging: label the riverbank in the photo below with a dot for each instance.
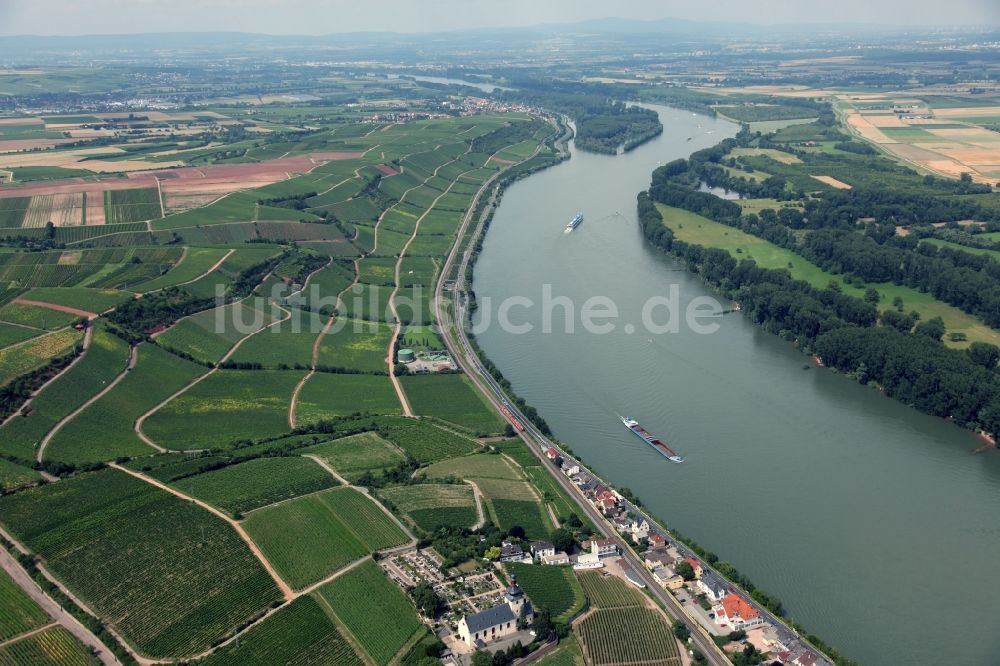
(750, 480)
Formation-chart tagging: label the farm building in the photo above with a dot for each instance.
(497, 622)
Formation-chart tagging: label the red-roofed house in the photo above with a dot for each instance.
(737, 612)
(695, 565)
(551, 454)
(656, 540)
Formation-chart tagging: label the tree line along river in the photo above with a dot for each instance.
(876, 525)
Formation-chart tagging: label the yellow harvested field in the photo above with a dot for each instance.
(178, 201)
(75, 159)
(776, 155)
(70, 258)
(95, 207)
(866, 130)
(833, 182)
(968, 111)
(883, 120)
(21, 121)
(15, 145)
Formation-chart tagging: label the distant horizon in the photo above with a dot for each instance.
(316, 18)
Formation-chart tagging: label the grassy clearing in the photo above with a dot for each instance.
(82, 298)
(229, 405)
(374, 610)
(171, 577)
(693, 228)
(608, 591)
(567, 654)
(550, 588)
(256, 483)
(196, 262)
(14, 476)
(432, 505)
(310, 537)
(103, 431)
(353, 456)
(507, 490)
(36, 316)
(451, 397)
(11, 334)
(16, 361)
(327, 395)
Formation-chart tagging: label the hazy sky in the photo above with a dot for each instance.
(65, 17)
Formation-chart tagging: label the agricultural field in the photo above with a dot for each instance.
(528, 514)
(355, 455)
(550, 588)
(12, 334)
(426, 441)
(81, 298)
(14, 476)
(133, 205)
(328, 395)
(104, 430)
(227, 406)
(104, 359)
(300, 633)
(119, 544)
(246, 486)
(374, 610)
(208, 335)
(18, 613)
(309, 538)
(567, 654)
(627, 636)
(52, 647)
(482, 465)
(432, 505)
(20, 359)
(452, 398)
(609, 591)
(355, 345)
(196, 261)
(287, 344)
(36, 316)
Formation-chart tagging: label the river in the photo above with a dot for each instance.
(876, 525)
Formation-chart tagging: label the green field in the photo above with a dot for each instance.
(104, 430)
(53, 647)
(451, 397)
(256, 483)
(18, 360)
(550, 588)
(287, 344)
(328, 395)
(608, 591)
(229, 405)
(12, 334)
(134, 205)
(529, 514)
(196, 261)
(426, 441)
(483, 465)
(299, 633)
(374, 610)
(36, 316)
(308, 538)
(171, 577)
(18, 613)
(567, 654)
(355, 345)
(13, 475)
(82, 298)
(692, 228)
(209, 334)
(432, 505)
(353, 456)
(628, 635)
(104, 359)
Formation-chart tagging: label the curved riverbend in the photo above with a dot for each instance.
(876, 525)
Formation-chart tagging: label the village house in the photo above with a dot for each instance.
(479, 629)
(713, 586)
(511, 552)
(667, 578)
(695, 566)
(570, 467)
(542, 548)
(603, 547)
(555, 558)
(586, 483)
(656, 540)
(737, 612)
(654, 558)
(551, 453)
(807, 658)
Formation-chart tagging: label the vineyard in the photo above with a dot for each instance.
(608, 591)
(256, 483)
(373, 609)
(133, 205)
(628, 636)
(169, 576)
(53, 647)
(300, 633)
(434, 505)
(530, 515)
(551, 588)
(352, 456)
(18, 613)
(329, 395)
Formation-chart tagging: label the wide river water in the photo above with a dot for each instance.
(878, 526)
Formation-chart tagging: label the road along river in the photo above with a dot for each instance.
(876, 525)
